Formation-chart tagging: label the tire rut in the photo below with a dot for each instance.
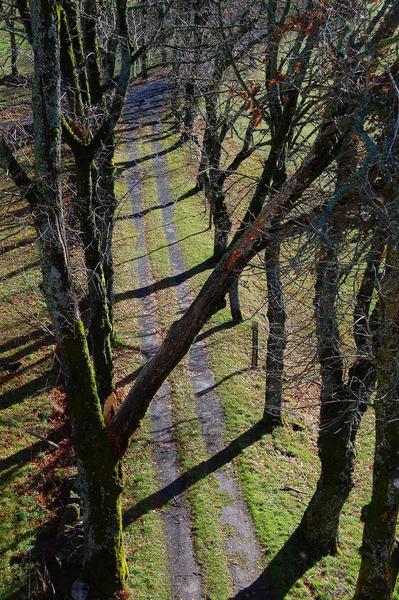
(242, 547)
(184, 570)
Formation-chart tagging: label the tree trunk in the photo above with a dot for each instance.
(379, 551)
(105, 206)
(213, 179)
(100, 325)
(75, 30)
(222, 224)
(234, 297)
(105, 565)
(342, 405)
(92, 50)
(144, 57)
(13, 48)
(100, 475)
(190, 109)
(277, 337)
(202, 168)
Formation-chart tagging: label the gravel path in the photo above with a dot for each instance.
(185, 573)
(241, 545)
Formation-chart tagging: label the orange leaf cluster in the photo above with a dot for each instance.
(256, 116)
(304, 23)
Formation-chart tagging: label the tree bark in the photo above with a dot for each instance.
(213, 180)
(235, 306)
(100, 326)
(342, 404)
(105, 206)
(221, 219)
(90, 43)
(99, 470)
(379, 551)
(276, 341)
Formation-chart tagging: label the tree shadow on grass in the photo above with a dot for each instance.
(24, 269)
(145, 211)
(21, 340)
(186, 237)
(226, 325)
(167, 282)
(13, 246)
(28, 389)
(27, 349)
(129, 164)
(9, 465)
(161, 497)
(290, 563)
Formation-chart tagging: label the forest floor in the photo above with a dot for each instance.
(210, 503)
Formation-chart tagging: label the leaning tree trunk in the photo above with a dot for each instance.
(379, 551)
(276, 341)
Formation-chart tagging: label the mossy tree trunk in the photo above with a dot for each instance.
(99, 468)
(73, 26)
(100, 475)
(94, 162)
(95, 77)
(105, 204)
(379, 551)
(69, 69)
(100, 328)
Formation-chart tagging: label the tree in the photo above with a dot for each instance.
(8, 13)
(99, 469)
(87, 123)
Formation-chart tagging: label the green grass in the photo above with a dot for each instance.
(26, 403)
(204, 497)
(24, 398)
(144, 538)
